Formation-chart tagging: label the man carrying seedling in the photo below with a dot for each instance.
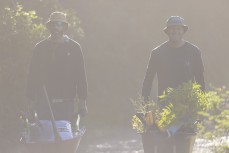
(174, 62)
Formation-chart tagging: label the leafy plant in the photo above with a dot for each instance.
(179, 106)
(183, 104)
(137, 124)
(146, 115)
(166, 117)
(215, 121)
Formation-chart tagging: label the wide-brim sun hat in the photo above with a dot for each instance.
(57, 17)
(175, 21)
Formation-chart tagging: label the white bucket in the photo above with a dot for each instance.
(44, 131)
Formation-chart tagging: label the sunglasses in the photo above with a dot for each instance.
(57, 23)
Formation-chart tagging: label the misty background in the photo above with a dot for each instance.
(119, 36)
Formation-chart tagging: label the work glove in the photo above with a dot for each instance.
(82, 108)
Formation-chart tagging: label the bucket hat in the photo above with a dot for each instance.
(57, 17)
(175, 21)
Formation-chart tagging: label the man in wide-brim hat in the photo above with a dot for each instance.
(175, 21)
(58, 65)
(57, 25)
(174, 62)
(175, 29)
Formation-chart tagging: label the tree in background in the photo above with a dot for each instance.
(20, 29)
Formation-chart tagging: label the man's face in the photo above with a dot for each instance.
(175, 33)
(57, 28)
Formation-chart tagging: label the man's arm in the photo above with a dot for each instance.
(199, 69)
(149, 76)
(81, 85)
(200, 80)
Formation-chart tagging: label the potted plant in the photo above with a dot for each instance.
(174, 115)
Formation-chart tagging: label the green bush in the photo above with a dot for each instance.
(175, 106)
(215, 123)
(19, 30)
(184, 103)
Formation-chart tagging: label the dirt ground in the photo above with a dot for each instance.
(114, 141)
(117, 140)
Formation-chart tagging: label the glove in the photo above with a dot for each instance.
(82, 108)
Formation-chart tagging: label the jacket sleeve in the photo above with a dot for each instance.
(149, 76)
(81, 77)
(34, 78)
(198, 69)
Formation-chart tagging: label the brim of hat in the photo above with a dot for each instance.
(50, 21)
(184, 26)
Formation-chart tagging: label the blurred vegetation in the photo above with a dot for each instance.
(147, 115)
(20, 29)
(183, 104)
(215, 121)
(176, 106)
(207, 113)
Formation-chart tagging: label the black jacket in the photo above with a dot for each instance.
(60, 67)
(173, 66)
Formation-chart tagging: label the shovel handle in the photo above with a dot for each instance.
(56, 133)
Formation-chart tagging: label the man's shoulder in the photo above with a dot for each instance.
(72, 42)
(192, 47)
(160, 48)
(67, 40)
(41, 43)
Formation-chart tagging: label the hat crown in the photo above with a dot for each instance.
(58, 16)
(175, 20)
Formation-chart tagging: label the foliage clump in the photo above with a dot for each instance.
(215, 121)
(190, 107)
(175, 105)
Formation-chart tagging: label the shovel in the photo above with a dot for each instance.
(56, 133)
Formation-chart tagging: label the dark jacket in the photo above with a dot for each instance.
(173, 66)
(60, 67)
